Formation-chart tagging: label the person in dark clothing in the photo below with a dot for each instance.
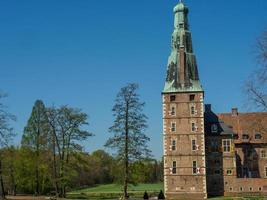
(146, 195)
(161, 195)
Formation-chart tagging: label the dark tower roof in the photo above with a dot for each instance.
(182, 73)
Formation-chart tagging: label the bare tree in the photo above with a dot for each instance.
(129, 125)
(6, 134)
(256, 85)
(66, 128)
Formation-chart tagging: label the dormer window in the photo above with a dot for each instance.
(257, 136)
(214, 128)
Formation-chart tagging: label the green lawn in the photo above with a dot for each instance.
(115, 188)
(114, 191)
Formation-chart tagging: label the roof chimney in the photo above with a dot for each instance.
(207, 107)
(234, 111)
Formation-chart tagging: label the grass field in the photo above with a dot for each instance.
(115, 188)
(114, 191)
(111, 191)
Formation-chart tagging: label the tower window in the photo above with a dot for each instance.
(191, 97)
(229, 172)
(194, 166)
(194, 145)
(193, 127)
(265, 171)
(193, 111)
(174, 167)
(173, 145)
(226, 145)
(173, 126)
(173, 110)
(172, 98)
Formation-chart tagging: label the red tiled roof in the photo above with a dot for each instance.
(248, 124)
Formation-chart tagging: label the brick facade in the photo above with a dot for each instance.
(184, 146)
(206, 154)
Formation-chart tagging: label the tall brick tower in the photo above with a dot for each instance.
(183, 117)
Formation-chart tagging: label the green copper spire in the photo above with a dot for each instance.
(182, 74)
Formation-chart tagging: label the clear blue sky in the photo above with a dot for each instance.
(82, 52)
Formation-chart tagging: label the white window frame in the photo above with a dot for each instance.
(173, 126)
(193, 112)
(193, 126)
(225, 146)
(263, 153)
(229, 170)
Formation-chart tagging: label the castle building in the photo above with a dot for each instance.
(206, 154)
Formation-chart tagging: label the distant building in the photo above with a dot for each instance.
(206, 154)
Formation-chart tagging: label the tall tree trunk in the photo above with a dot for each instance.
(126, 155)
(55, 167)
(37, 181)
(2, 189)
(13, 182)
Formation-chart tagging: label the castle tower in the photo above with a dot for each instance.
(183, 117)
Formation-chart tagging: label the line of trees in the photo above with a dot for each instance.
(51, 159)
